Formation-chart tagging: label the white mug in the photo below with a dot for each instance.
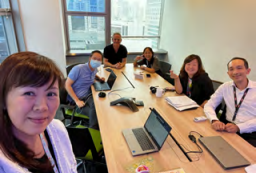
(159, 92)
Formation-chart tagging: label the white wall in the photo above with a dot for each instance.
(216, 30)
(42, 28)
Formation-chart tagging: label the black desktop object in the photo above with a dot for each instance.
(129, 102)
(102, 94)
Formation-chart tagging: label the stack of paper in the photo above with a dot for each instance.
(181, 103)
(251, 168)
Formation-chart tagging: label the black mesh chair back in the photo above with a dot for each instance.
(165, 68)
(81, 141)
(222, 105)
(63, 94)
(69, 67)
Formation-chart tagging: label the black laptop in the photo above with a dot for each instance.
(106, 85)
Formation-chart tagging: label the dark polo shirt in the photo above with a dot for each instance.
(112, 56)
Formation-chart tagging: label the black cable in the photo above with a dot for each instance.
(120, 89)
(180, 147)
(190, 133)
(200, 150)
(193, 139)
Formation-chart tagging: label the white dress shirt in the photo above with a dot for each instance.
(246, 115)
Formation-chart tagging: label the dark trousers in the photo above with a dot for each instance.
(249, 137)
(89, 110)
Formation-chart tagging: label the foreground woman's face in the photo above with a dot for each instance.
(31, 109)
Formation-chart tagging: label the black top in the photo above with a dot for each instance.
(44, 159)
(201, 90)
(153, 63)
(112, 56)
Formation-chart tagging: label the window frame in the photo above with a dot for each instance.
(12, 11)
(106, 15)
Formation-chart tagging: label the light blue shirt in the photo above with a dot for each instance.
(83, 78)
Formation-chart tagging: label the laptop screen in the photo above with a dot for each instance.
(111, 79)
(157, 128)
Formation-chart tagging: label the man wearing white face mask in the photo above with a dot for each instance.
(78, 85)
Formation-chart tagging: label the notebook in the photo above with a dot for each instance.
(106, 85)
(227, 156)
(181, 103)
(150, 138)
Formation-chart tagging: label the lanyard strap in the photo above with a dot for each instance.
(148, 64)
(237, 106)
(189, 86)
(46, 149)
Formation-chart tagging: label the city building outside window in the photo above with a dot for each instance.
(86, 25)
(8, 44)
(91, 23)
(138, 22)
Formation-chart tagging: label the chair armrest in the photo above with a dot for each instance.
(67, 106)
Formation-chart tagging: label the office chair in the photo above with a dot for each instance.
(69, 111)
(87, 146)
(70, 66)
(165, 67)
(221, 108)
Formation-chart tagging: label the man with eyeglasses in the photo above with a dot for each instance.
(115, 54)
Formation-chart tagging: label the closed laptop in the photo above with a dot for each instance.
(227, 156)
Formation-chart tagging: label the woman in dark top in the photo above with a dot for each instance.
(148, 62)
(193, 81)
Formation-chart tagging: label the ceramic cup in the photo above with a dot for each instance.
(159, 92)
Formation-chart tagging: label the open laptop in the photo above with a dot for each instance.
(223, 152)
(106, 85)
(149, 138)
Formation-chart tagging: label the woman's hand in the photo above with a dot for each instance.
(143, 67)
(173, 75)
(139, 58)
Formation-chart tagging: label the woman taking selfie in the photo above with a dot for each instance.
(30, 140)
(193, 81)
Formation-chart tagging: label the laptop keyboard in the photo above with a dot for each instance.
(102, 86)
(142, 139)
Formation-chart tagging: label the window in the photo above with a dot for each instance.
(8, 44)
(86, 25)
(89, 25)
(137, 21)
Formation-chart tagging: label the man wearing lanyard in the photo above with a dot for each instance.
(240, 99)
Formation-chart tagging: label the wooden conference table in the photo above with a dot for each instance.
(113, 119)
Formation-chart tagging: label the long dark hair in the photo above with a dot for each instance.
(190, 58)
(23, 69)
(150, 49)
